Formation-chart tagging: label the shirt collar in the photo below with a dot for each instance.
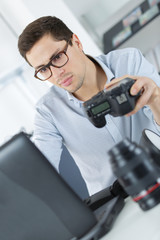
(76, 101)
(103, 65)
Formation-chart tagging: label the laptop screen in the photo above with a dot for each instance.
(35, 202)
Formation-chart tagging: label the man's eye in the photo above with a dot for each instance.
(58, 57)
(43, 70)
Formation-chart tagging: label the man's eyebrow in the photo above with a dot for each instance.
(53, 55)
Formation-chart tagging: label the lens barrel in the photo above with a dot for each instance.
(137, 173)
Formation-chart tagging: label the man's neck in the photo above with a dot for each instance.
(94, 82)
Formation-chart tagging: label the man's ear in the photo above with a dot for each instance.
(75, 40)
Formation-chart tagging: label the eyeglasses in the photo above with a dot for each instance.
(57, 61)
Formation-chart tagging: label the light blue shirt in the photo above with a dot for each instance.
(60, 120)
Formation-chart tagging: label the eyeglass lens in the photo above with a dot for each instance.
(58, 61)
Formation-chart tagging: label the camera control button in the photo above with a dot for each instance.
(121, 98)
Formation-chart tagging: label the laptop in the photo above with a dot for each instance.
(37, 204)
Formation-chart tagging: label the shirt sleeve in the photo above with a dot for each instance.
(46, 137)
(145, 68)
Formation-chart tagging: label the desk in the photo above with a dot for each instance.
(135, 224)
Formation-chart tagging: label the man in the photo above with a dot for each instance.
(57, 56)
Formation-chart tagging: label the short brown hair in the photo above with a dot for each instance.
(40, 27)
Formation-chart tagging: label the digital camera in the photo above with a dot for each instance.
(116, 101)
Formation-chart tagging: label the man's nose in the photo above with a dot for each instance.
(57, 72)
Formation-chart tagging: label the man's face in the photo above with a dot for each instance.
(71, 76)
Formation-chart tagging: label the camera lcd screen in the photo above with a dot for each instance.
(100, 108)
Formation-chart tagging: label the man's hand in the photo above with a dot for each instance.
(150, 94)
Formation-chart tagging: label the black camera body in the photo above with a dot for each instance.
(116, 101)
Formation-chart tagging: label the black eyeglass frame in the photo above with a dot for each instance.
(51, 64)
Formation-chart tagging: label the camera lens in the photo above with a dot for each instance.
(137, 173)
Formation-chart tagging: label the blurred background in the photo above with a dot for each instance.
(101, 25)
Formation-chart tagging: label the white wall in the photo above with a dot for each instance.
(20, 12)
(16, 109)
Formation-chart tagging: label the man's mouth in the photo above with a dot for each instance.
(66, 82)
